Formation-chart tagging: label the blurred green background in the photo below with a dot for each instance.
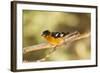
(35, 22)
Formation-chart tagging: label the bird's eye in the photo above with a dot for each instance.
(46, 33)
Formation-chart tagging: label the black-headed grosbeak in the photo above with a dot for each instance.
(54, 38)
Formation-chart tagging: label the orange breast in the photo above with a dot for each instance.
(54, 41)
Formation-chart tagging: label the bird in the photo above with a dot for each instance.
(54, 38)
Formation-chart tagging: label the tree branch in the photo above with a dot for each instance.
(71, 37)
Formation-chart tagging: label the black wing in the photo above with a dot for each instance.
(58, 34)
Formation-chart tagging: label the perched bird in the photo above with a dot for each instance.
(54, 38)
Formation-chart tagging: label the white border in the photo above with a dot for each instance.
(21, 65)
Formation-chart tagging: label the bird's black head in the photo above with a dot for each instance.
(46, 33)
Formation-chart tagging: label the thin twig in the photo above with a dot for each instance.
(36, 47)
(70, 37)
